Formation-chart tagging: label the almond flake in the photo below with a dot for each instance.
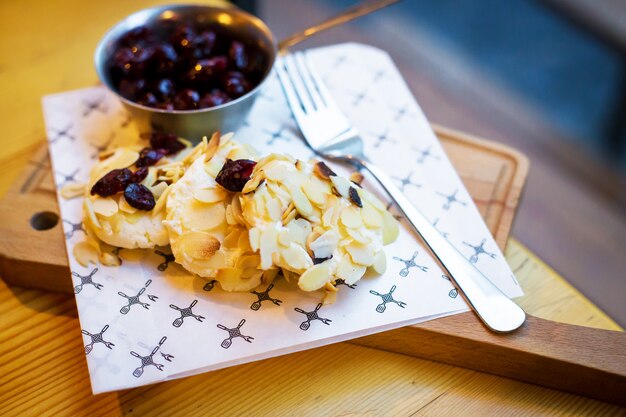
(158, 189)
(323, 171)
(125, 207)
(72, 190)
(390, 228)
(349, 272)
(342, 186)
(371, 217)
(380, 262)
(209, 195)
(296, 257)
(315, 277)
(350, 217)
(106, 207)
(85, 253)
(198, 245)
(356, 177)
(324, 246)
(360, 254)
(302, 203)
(329, 297)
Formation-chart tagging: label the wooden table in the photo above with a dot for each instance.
(47, 47)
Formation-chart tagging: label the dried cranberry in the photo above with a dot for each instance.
(112, 183)
(167, 142)
(137, 36)
(149, 157)
(238, 56)
(214, 98)
(140, 174)
(165, 106)
(139, 197)
(186, 99)
(235, 174)
(236, 84)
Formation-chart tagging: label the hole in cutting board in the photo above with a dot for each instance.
(44, 220)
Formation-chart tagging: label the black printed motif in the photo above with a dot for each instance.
(96, 338)
(425, 154)
(66, 178)
(98, 104)
(383, 138)
(74, 228)
(435, 223)
(450, 199)
(410, 263)
(454, 292)
(479, 250)
(407, 181)
(135, 299)
(387, 298)
(185, 312)
(167, 258)
(234, 333)
(209, 285)
(311, 316)
(86, 280)
(62, 134)
(340, 281)
(275, 136)
(264, 296)
(149, 359)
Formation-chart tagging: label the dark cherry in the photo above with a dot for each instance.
(148, 99)
(149, 157)
(182, 39)
(140, 174)
(168, 106)
(131, 89)
(166, 142)
(165, 58)
(139, 197)
(235, 174)
(138, 36)
(213, 98)
(236, 84)
(112, 183)
(208, 69)
(186, 99)
(203, 44)
(238, 56)
(165, 87)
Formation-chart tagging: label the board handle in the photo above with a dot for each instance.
(581, 360)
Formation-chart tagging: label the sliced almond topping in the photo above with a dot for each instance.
(254, 236)
(106, 207)
(315, 193)
(85, 253)
(356, 177)
(161, 202)
(371, 217)
(255, 182)
(360, 254)
(297, 258)
(342, 186)
(158, 189)
(231, 241)
(199, 216)
(329, 297)
(210, 195)
(315, 277)
(109, 259)
(323, 171)
(268, 247)
(198, 245)
(125, 207)
(284, 238)
(350, 217)
(324, 246)
(302, 203)
(357, 236)
(371, 198)
(349, 272)
(380, 262)
(72, 190)
(213, 145)
(391, 229)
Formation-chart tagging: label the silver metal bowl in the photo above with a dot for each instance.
(191, 124)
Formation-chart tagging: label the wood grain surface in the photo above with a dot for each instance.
(43, 370)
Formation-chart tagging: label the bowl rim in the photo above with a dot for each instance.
(99, 54)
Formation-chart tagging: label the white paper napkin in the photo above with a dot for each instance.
(149, 320)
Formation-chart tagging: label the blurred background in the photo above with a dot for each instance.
(545, 76)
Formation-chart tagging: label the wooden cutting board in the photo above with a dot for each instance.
(567, 357)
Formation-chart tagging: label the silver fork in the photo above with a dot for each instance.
(331, 135)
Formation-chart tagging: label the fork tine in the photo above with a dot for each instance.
(298, 85)
(320, 85)
(308, 81)
(290, 93)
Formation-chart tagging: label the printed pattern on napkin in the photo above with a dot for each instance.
(149, 320)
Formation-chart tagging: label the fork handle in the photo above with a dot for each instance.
(495, 309)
